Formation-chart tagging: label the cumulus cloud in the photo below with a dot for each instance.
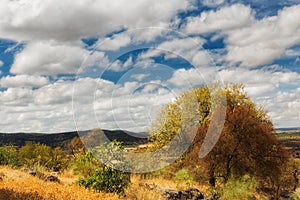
(212, 3)
(69, 20)
(264, 40)
(23, 81)
(51, 58)
(114, 43)
(16, 97)
(186, 48)
(118, 65)
(282, 107)
(250, 42)
(226, 18)
(140, 77)
(258, 82)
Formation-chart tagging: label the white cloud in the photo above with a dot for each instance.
(119, 65)
(187, 48)
(212, 3)
(283, 107)
(226, 18)
(250, 42)
(257, 82)
(140, 77)
(23, 81)
(50, 58)
(16, 97)
(69, 20)
(192, 77)
(114, 43)
(264, 40)
(1, 63)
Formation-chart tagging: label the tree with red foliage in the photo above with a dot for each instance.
(246, 144)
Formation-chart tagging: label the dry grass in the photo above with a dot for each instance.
(17, 185)
(169, 184)
(137, 192)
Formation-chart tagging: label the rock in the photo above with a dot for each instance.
(194, 194)
(54, 173)
(190, 194)
(52, 178)
(32, 172)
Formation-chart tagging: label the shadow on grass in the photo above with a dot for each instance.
(9, 194)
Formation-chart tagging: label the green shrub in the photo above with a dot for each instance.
(42, 156)
(242, 188)
(106, 180)
(183, 178)
(296, 195)
(85, 164)
(9, 155)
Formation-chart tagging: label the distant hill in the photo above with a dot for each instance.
(289, 129)
(60, 139)
(284, 130)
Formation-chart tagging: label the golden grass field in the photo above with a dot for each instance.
(18, 185)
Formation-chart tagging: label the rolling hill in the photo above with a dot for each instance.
(60, 139)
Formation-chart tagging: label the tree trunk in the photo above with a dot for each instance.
(212, 178)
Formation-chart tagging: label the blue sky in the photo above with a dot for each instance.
(112, 64)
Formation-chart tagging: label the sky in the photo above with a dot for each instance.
(111, 64)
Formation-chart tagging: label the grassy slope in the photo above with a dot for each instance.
(18, 185)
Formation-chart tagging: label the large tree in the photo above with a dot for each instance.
(246, 144)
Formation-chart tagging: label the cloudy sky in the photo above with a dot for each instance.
(112, 63)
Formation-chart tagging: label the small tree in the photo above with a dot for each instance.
(105, 178)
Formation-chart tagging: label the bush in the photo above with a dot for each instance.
(86, 164)
(42, 156)
(296, 195)
(242, 188)
(9, 155)
(107, 180)
(183, 178)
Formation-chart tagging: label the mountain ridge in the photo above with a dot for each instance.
(61, 139)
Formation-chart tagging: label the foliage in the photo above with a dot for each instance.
(183, 178)
(246, 144)
(74, 147)
(40, 155)
(86, 164)
(9, 155)
(242, 188)
(106, 180)
(111, 154)
(296, 195)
